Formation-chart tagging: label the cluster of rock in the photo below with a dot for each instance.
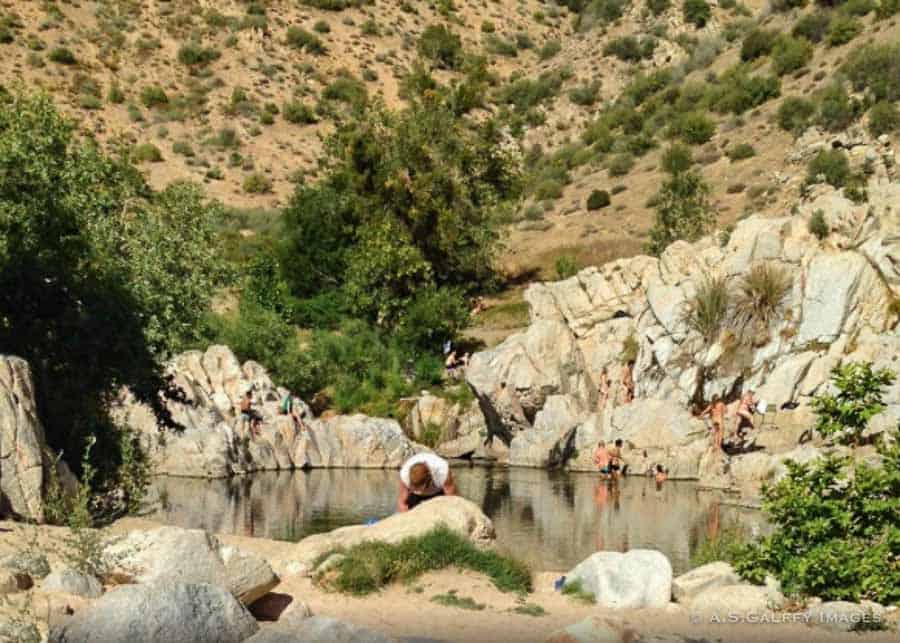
(215, 442)
(538, 390)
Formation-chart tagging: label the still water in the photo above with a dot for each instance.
(553, 520)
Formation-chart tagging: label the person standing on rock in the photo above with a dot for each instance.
(602, 459)
(423, 477)
(743, 420)
(716, 413)
(616, 464)
(627, 383)
(250, 415)
(603, 390)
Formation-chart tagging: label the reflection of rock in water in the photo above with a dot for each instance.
(551, 519)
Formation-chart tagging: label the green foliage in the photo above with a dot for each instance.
(696, 12)
(620, 164)
(335, 5)
(321, 26)
(737, 90)
(658, 7)
(795, 114)
(566, 266)
(832, 165)
(813, 26)
(597, 13)
(842, 30)
(859, 397)
(760, 295)
(597, 200)
(300, 38)
(682, 211)
(876, 69)
(549, 49)
(146, 153)
(740, 152)
(757, 43)
(153, 96)
(193, 54)
(62, 55)
(257, 183)
(498, 46)
(525, 93)
(836, 109)
(431, 435)
(115, 95)
(585, 94)
(727, 545)
(836, 532)
(451, 599)
(629, 48)
(441, 45)
(677, 158)
(707, 310)
(102, 278)
(575, 589)
(884, 118)
(369, 566)
(295, 111)
(346, 90)
(693, 127)
(790, 54)
(817, 225)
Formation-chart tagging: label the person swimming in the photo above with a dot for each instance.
(661, 474)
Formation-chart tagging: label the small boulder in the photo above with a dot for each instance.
(717, 574)
(744, 600)
(318, 629)
(595, 629)
(843, 616)
(637, 579)
(70, 581)
(460, 515)
(191, 556)
(167, 611)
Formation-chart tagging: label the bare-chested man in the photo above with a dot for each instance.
(603, 390)
(744, 415)
(716, 413)
(602, 459)
(627, 383)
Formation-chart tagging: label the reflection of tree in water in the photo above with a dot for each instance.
(496, 490)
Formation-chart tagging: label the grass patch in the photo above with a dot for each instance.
(451, 599)
(724, 546)
(707, 310)
(369, 566)
(577, 591)
(530, 609)
(513, 314)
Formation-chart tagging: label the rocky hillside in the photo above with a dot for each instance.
(239, 95)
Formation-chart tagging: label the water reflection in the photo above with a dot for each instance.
(551, 519)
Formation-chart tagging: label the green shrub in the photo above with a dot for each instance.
(549, 49)
(499, 46)
(740, 152)
(795, 114)
(787, 5)
(62, 55)
(677, 158)
(859, 397)
(154, 96)
(835, 521)
(488, 27)
(597, 200)
(257, 183)
(146, 153)
(706, 311)
(295, 111)
(566, 266)
(300, 38)
(758, 43)
(818, 226)
(693, 127)
(585, 94)
(875, 68)
(548, 190)
(575, 589)
(682, 211)
(321, 27)
(525, 94)
(599, 12)
(790, 54)
(335, 5)
(369, 566)
(439, 44)
(836, 109)
(726, 545)
(658, 7)
(813, 26)
(887, 9)
(696, 12)
(630, 49)
(759, 296)
(842, 30)
(832, 165)
(736, 91)
(346, 90)
(523, 40)
(884, 118)
(620, 164)
(370, 28)
(115, 95)
(194, 54)
(859, 7)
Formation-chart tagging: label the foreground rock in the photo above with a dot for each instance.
(70, 581)
(710, 576)
(458, 514)
(317, 629)
(172, 554)
(842, 616)
(216, 443)
(744, 600)
(637, 579)
(167, 611)
(595, 629)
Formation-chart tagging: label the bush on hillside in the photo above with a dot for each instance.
(146, 153)
(295, 111)
(62, 55)
(441, 45)
(859, 397)
(831, 166)
(346, 89)
(836, 109)
(737, 91)
(620, 164)
(876, 69)
(630, 49)
(696, 12)
(194, 54)
(818, 226)
(813, 26)
(758, 43)
(707, 310)
(153, 96)
(790, 54)
(257, 183)
(693, 127)
(760, 295)
(566, 266)
(300, 38)
(549, 49)
(884, 118)
(795, 114)
(740, 152)
(842, 30)
(677, 158)
(336, 5)
(597, 200)
(683, 211)
(658, 7)
(585, 95)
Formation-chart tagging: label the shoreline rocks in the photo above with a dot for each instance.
(639, 578)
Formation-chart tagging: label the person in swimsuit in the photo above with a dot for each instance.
(603, 390)
(602, 459)
(661, 475)
(616, 465)
(744, 416)
(716, 413)
(423, 477)
(250, 415)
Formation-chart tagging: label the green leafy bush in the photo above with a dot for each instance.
(875, 68)
(300, 38)
(813, 26)
(759, 296)
(658, 7)
(836, 109)
(146, 153)
(677, 158)
(566, 266)
(498, 46)
(620, 164)
(842, 30)
(740, 152)
(737, 90)
(441, 45)
(295, 111)
(257, 183)
(817, 225)
(630, 49)
(884, 118)
(335, 5)
(696, 12)
(682, 209)
(585, 94)
(597, 13)
(836, 532)
(321, 26)
(790, 54)
(549, 49)
(597, 200)
(194, 54)
(795, 114)
(859, 397)
(346, 89)
(832, 165)
(693, 127)
(758, 43)
(154, 96)
(62, 55)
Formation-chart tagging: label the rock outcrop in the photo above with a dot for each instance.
(215, 442)
(168, 611)
(172, 554)
(709, 576)
(636, 579)
(318, 629)
(457, 513)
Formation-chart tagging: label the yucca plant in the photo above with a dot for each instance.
(760, 295)
(707, 310)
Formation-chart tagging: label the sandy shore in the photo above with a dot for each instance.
(408, 610)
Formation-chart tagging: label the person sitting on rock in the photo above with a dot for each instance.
(743, 421)
(250, 415)
(602, 459)
(716, 413)
(423, 477)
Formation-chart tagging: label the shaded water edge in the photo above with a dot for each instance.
(550, 519)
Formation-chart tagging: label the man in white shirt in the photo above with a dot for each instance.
(423, 477)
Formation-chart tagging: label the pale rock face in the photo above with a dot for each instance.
(74, 582)
(843, 616)
(318, 629)
(551, 440)
(455, 512)
(639, 578)
(737, 599)
(700, 579)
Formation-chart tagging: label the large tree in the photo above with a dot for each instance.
(100, 278)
